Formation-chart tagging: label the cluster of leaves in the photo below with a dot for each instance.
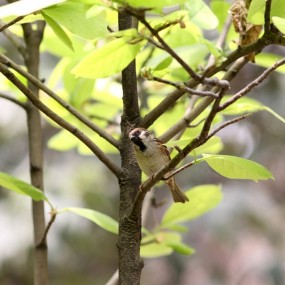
(90, 57)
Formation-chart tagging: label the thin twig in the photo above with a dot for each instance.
(222, 126)
(183, 167)
(183, 87)
(166, 47)
(206, 102)
(253, 84)
(17, 102)
(227, 123)
(51, 221)
(14, 21)
(60, 121)
(63, 103)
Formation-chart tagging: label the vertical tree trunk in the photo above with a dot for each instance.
(33, 38)
(129, 239)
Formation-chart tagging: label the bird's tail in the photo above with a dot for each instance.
(177, 194)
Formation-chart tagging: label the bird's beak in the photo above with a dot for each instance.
(134, 139)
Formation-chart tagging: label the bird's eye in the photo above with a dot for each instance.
(137, 132)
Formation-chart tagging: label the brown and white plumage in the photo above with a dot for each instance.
(151, 156)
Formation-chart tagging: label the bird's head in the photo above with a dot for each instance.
(140, 137)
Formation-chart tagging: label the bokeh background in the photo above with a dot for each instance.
(241, 242)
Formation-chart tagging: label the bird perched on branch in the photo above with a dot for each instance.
(151, 156)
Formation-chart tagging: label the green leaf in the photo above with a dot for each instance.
(155, 250)
(213, 145)
(72, 15)
(108, 60)
(163, 243)
(181, 248)
(236, 167)
(20, 187)
(243, 106)
(279, 23)
(248, 105)
(277, 116)
(163, 63)
(268, 59)
(62, 35)
(201, 14)
(256, 12)
(25, 7)
(102, 220)
(202, 199)
(63, 141)
(221, 10)
(257, 8)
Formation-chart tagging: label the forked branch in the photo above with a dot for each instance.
(60, 121)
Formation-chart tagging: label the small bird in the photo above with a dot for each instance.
(151, 156)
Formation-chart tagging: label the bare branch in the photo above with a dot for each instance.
(222, 126)
(191, 116)
(51, 221)
(7, 97)
(227, 123)
(11, 23)
(63, 103)
(166, 47)
(60, 121)
(183, 87)
(183, 167)
(253, 84)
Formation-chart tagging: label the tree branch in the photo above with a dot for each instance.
(31, 53)
(267, 18)
(130, 263)
(184, 88)
(60, 121)
(51, 221)
(63, 103)
(253, 84)
(191, 116)
(17, 102)
(11, 23)
(227, 123)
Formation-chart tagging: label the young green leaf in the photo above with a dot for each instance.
(155, 250)
(163, 243)
(11, 183)
(249, 105)
(108, 60)
(279, 23)
(236, 167)
(256, 12)
(213, 145)
(277, 116)
(58, 30)
(102, 220)
(201, 200)
(266, 60)
(257, 8)
(72, 15)
(201, 14)
(181, 248)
